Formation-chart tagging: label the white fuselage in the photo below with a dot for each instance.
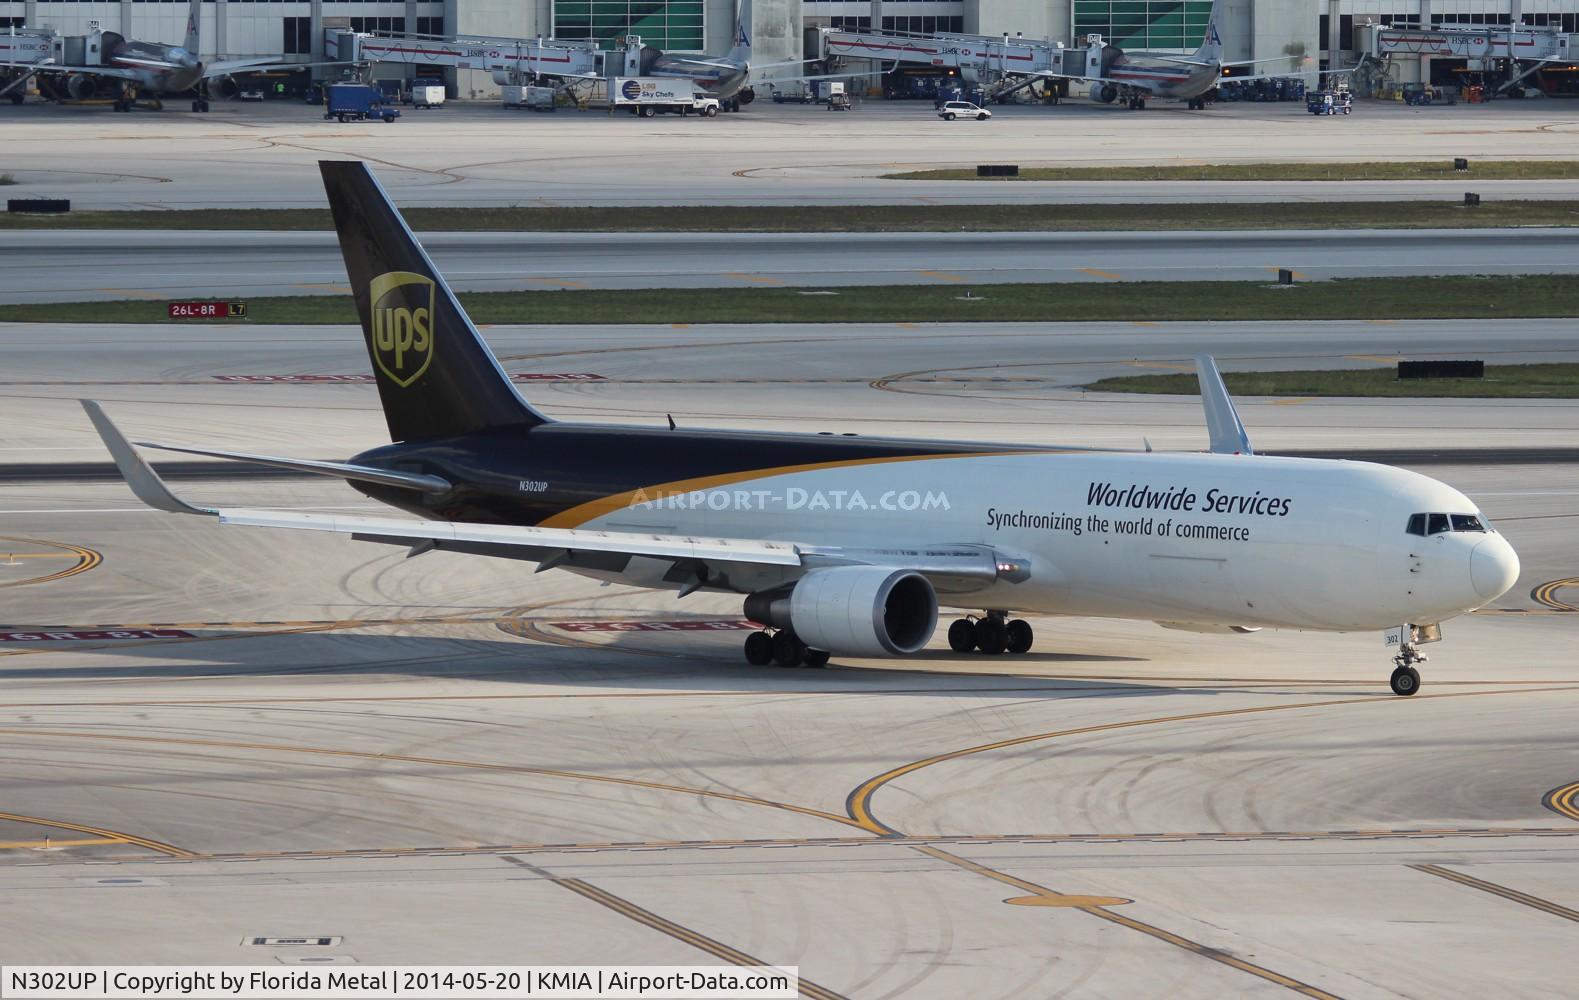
(1190, 538)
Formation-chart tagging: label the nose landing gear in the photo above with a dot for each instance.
(1406, 679)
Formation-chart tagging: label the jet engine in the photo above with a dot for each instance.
(224, 87)
(746, 95)
(1104, 93)
(81, 86)
(853, 610)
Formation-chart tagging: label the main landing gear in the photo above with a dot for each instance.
(991, 634)
(784, 648)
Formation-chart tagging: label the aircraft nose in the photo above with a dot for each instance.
(1493, 567)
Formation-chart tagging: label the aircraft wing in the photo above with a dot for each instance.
(120, 74)
(951, 568)
(257, 65)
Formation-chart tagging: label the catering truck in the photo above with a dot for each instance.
(654, 95)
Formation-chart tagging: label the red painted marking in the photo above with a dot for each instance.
(74, 635)
(722, 625)
(341, 379)
(199, 310)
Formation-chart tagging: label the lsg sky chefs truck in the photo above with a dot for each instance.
(652, 95)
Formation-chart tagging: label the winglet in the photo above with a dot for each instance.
(143, 480)
(1222, 420)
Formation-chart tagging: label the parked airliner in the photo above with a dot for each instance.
(848, 546)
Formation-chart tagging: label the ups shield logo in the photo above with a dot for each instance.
(402, 324)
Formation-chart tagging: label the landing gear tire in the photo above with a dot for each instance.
(962, 635)
(816, 658)
(1020, 636)
(759, 649)
(788, 650)
(1405, 681)
(197, 106)
(992, 636)
(204, 107)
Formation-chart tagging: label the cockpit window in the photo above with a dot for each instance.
(1437, 524)
(1467, 522)
(1417, 524)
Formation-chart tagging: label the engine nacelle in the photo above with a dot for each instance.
(854, 610)
(81, 86)
(224, 87)
(746, 95)
(1104, 93)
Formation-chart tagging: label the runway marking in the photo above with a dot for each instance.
(1089, 904)
(557, 282)
(1563, 801)
(755, 279)
(1170, 366)
(1298, 275)
(859, 802)
(86, 559)
(1293, 401)
(943, 276)
(135, 293)
(44, 845)
(679, 932)
(1108, 275)
(431, 762)
(1546, 594)
(1514, 895)
(1229, 837)
(112, 835)
(1378, 358)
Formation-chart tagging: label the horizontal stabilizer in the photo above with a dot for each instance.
(1227, 432)
(340, 470)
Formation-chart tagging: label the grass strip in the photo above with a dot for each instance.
(856, 218)
(1551, 381)
(1500, 297)
(1426, 170)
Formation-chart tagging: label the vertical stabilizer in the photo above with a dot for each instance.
(1211, 49)
(194, 38)
(743, 29)
(436, 376)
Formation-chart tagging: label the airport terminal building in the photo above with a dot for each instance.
(1314, 30)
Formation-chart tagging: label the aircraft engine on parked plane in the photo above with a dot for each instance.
(224, 87)
(1104, 93)
(853, 610)
(81, 86)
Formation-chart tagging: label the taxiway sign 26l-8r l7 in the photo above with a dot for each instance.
(848, 546)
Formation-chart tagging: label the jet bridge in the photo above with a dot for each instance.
(512, 61)
(975, 57)
(1526, 50)
(34, 48)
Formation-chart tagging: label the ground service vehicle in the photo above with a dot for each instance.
(357, 102)
(427, 95)
(1329, 102)
(963, 109)
(838, 100)
(648, 96)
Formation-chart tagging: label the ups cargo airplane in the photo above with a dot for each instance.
(847, 546)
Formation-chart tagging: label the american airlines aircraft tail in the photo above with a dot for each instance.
(849, 546)
(742, 42)
(1211, 49)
